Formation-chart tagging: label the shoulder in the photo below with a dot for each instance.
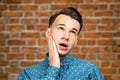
(35, 68)
(83, 63)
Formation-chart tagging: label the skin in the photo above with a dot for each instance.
(62, 36)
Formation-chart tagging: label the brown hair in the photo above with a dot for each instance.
(69, 11)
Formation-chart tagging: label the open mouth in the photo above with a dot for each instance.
(63, 46)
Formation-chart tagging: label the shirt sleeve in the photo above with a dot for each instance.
(95, 74)
(50, 74)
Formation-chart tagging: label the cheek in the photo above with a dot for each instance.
(56, 35)
(73, 42)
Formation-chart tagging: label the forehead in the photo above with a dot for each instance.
(66, 20)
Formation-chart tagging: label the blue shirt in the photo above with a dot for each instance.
(70, 69)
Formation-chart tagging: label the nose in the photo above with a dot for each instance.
(66, 35)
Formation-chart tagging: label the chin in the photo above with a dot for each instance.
(63, 53)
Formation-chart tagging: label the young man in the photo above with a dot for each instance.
(62, 35)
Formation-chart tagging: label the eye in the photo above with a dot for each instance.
(73, 32)
(60, 28)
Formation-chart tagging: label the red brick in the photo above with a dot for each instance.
(15, 27)
(89, 1)
(12, 14)
(4, 49)
(81, 42)
(31, 42)
(14, 35)
(117, 77)
(42, 1)
(2, 42)
(2, 28)
(117, 34)
(87, 13)
(13, 7)
(97, 63)
(117, 13)
(91, 42)
(58, 6)
(30, 35)
(27, 1)
(28, 14)
(105, 64)
(14, 20)
(107, 34)
(118, 57)
(14, 64)
(3, 76)
(105, 21)
(92, 35)
(80, 56)
(89, 49)
(115, 20)
(106, 28)
(44, 7)
(41, 56)
(45, 13)
(15, 49)
(16, 42)
(15, 56)
(30, 20)
(106, 57)
(3, 63)
(116, 49)
(88, 6)
(30, 49)
(91, 20)
(2, 56)
(41, 27)
(91, 56)
(3, 7)
(28, 7)
(30, 27)
(105, 49)
(30, 56)
(115, 7)
(75, 1)
(44, 49)
(12, 70)
(3, 21)
(116, 64)
(108, 71)
(101, 13)
(116, 1)
(28, 63)
(76, 49)
(44, 20)
(103, 6)
(12, 1)
(91, 27)
(103, 0)
(1, 71)
(106, 42)
(42, 42)
(108, 77)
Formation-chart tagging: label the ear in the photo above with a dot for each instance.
(48, 33)
(76, 42)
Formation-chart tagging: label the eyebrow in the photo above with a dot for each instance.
(75, 29)
(72, 28)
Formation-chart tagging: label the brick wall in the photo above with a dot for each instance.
(22, 34)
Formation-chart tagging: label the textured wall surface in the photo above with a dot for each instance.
(22, 34)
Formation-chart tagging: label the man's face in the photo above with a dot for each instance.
(64, 31)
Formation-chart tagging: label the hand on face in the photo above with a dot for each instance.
(53, 52)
